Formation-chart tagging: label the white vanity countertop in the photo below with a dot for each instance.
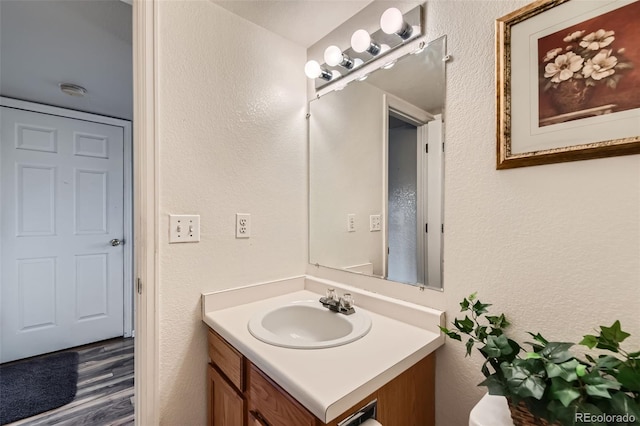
(327, 381)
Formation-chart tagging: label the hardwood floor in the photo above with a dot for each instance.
(105, 388)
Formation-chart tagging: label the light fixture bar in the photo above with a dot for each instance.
(400, 30)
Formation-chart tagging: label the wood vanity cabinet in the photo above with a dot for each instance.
(239, 394)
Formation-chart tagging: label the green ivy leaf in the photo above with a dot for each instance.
(634, 355)
(607, 363)
(464, 305)
(596, 385)
(581, 370)
(611, 337)
(538, 338)
(469, 346)
(558, 412)
(563, 391)
(465, 325)
(589, 341)
(451, 334)
(481, 332)
(629, 377)
(522, 378)
(473, 296)
(623, 404)
(557, 352)
(497, 346)
(533, 355)
(480, 308)
(566, 370)
(494, 385)
(498, 321)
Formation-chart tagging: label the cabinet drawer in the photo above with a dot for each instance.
(227, 359)
(270, 404)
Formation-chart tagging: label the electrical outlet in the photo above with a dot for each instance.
(375, 223)
(184, 228)
(243, 225)
(351, 223)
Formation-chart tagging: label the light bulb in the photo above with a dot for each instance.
(333, 56)
(312, 69)
(391, 21)
(360, 41)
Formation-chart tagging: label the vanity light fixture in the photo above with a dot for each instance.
(361, 41)
(378, 49)
(392, 22)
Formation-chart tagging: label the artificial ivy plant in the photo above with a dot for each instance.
(555, 384)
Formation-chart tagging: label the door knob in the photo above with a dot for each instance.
(116, 242)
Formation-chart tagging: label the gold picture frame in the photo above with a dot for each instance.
(592, 49)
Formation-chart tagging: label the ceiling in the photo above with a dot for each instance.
(302, 21)
(88, 43)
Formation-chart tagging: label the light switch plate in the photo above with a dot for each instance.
(184, 228)
(351, 222)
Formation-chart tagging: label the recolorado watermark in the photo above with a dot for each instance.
(604, 418)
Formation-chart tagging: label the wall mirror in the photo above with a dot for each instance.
(375, 170)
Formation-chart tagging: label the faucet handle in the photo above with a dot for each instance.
(346, 301)
(332, 295)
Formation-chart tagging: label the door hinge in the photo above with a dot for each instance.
(139, 285)
(426, 148)
(426, 227)
(442, 228)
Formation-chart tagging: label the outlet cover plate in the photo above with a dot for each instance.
(375, 223)
(243, 225)
(184, 228)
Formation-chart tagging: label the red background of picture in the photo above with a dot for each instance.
(625, 21)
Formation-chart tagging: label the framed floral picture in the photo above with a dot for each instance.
(568, 82)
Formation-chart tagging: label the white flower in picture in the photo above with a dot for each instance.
(597, 40)
(600, 66)
(564, 67)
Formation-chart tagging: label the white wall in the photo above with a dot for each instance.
(555, 247)
(232, 139)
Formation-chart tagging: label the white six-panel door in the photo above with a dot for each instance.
(62, 205)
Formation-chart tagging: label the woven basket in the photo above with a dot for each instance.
(521, 416)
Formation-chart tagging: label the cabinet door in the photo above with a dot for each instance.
(225, 405)
(273, 405)
(256, 420)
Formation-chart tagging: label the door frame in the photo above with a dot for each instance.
(127, 190)
(419, 118)
(146, 209)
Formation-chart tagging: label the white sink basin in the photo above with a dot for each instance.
(306, 324)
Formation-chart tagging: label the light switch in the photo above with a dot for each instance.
(351, 222)
(184, 228)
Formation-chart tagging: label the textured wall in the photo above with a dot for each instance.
(556, 247)
(232, 139)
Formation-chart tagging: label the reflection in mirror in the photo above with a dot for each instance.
(376, 164)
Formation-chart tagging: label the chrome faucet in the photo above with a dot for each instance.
(342, 305)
